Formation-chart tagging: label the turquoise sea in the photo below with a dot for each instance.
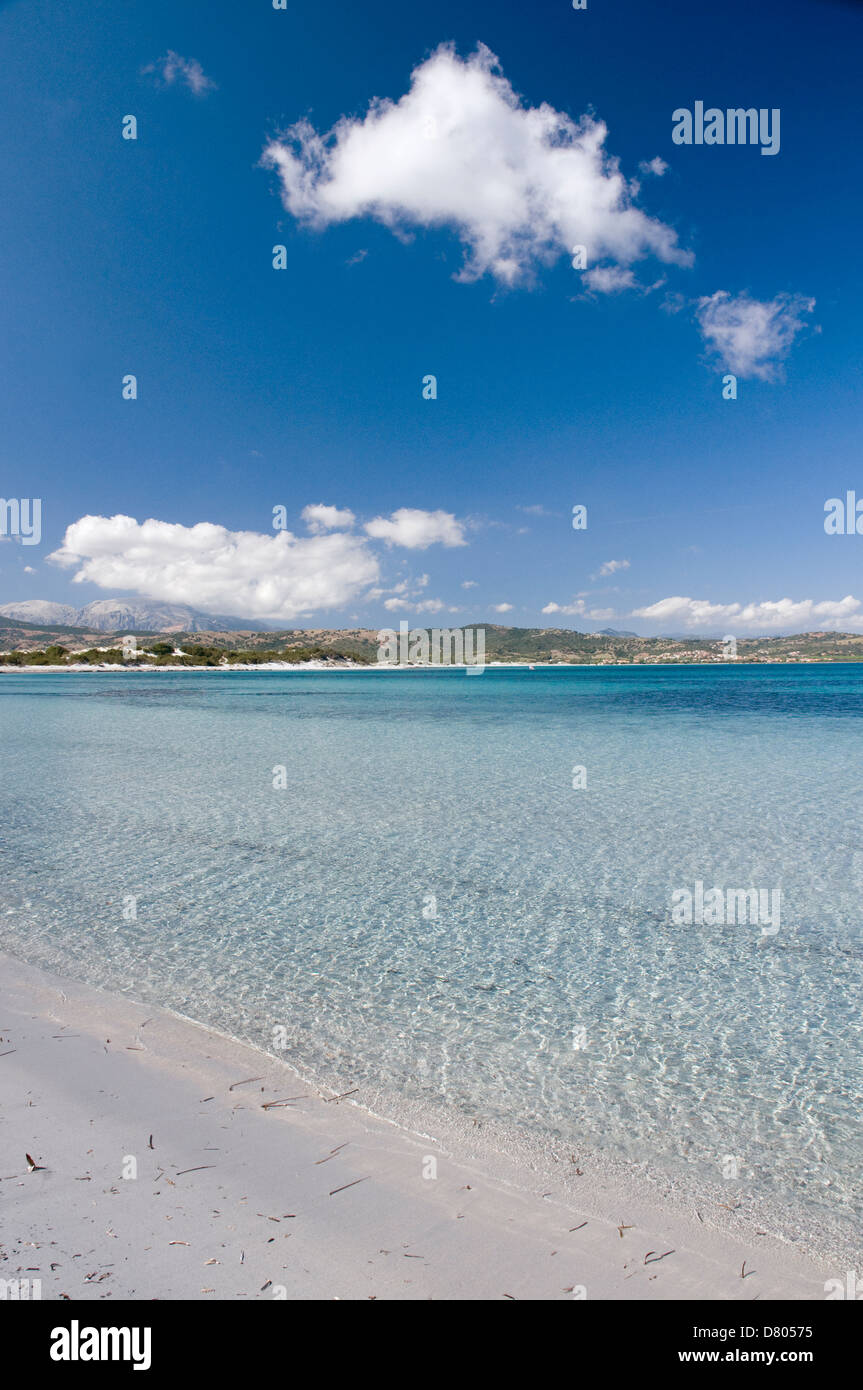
(425, 903)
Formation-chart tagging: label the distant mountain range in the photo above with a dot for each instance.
(117, 615)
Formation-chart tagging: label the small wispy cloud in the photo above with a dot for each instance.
(610, 567)
(578, 609)
(610, 279)
(752, 337)
(173, 68)
(427, 605)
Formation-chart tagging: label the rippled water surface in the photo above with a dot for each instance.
(429, 904)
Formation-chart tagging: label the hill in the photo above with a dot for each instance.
(507, 644)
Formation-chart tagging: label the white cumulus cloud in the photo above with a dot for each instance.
(238, 573)
(752, 337)
(417, 530)
(579, 609)
(319, 517)
(802, 614)
(519, 185)
(571, 610)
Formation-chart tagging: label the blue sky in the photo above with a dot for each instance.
(301, 387)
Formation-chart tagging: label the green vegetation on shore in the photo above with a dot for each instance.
(28, 645)
(169, 654)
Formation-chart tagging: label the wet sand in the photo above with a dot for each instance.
(245, 1182)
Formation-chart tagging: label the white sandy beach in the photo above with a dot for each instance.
(78, 668)
(310, 1199)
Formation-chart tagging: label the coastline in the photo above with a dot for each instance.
(319, 1197)
(318, 666)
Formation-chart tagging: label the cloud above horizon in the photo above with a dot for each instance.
(768, 615)
(276, 578)
(520, 186)
(282, 577)
(751, 337)
(427, 605)
(700, 615)
(578, 609)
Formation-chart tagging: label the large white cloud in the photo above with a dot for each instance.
(520, 185)
(237, 573)
(243, 573)
(802, 614)
(751, 337)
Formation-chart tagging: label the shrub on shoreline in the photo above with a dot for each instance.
(165, 654)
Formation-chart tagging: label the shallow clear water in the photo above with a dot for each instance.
(311, 906)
